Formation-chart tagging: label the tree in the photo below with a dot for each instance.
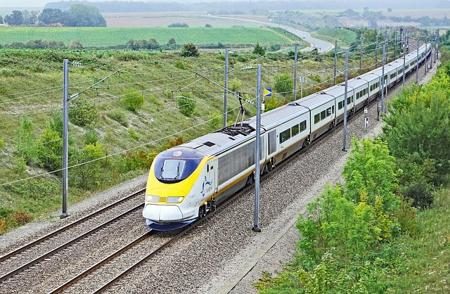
(259, 50)
(29, 17)
(83, 16)
(51, 16)
(283, 84)
(1, 19)
(189, 50)
(15, 18)
(172, 44)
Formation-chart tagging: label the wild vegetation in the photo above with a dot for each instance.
(385, 229)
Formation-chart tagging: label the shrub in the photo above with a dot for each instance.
(283, 84)
(26, 145)
(90, 137)
(186, 104)
(21, 217)
(119, 117)
(235, 84)
(89, 175)
(259, 50)
(180, 65)
(178, 25)
(133, 100)
(49, 149)
(83, 113)
(133, 134)
(189, 50)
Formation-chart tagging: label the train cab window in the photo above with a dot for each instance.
(295, 130)
(303, 126)
(322, 115)
(175, 165)
(316, 118)
(285, 135)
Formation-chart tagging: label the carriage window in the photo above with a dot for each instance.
(329, 111)
(340, 105)
(303, 126)
(295, 130)
(332, 109)
(316, 118)
(285, 135)
(322, 115)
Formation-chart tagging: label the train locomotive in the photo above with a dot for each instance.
(190, 180)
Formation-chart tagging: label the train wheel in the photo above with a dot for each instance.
(250, 180)
(202, 211)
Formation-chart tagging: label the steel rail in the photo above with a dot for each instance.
(66, 244)
(68, 226)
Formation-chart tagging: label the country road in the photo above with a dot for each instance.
(321, 45)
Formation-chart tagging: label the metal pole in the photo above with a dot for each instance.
(382, 78)
(376, 51)
(256, 227)
(360, 52)
(344, 147)
(225, 91)
(404, 63)
(65, 175)
(295, 71)
(426, 56)
(302, 80)
(417, 62)
(335, 63)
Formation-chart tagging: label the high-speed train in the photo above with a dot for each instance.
(189, 180)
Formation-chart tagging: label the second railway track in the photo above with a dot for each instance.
(45, 246)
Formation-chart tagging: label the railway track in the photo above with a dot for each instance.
(54, 248)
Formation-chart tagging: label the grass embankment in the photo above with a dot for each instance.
(107, 37)
(386, 228)
(344, 36)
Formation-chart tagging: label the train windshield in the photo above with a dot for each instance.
(174, 166)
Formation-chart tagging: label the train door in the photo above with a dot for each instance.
(210, 184)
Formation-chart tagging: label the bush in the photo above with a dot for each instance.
(235, 85)
(90, 137)
(180, 64)
(133, 100)
(259, 50)
(189, 50)
(89, 175)
(83, 113)
(119, 117)
(283, 84)
(21, 217)
(26, 145)
(49, 149)
(186, 104)
(178, 25)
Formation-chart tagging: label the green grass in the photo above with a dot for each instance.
(105, 37)
(343, 36)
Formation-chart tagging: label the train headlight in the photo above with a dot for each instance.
(174, 199)
(151, 199)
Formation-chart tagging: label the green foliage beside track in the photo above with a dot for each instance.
(364, 236)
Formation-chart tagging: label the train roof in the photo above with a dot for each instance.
(337, 90)
(357, 82)
(315, 100)
(272, 118)
(214, 143)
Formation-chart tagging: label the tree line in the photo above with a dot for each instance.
(78, 15)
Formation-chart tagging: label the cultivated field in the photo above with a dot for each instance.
(104, 37)
(149, 19)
